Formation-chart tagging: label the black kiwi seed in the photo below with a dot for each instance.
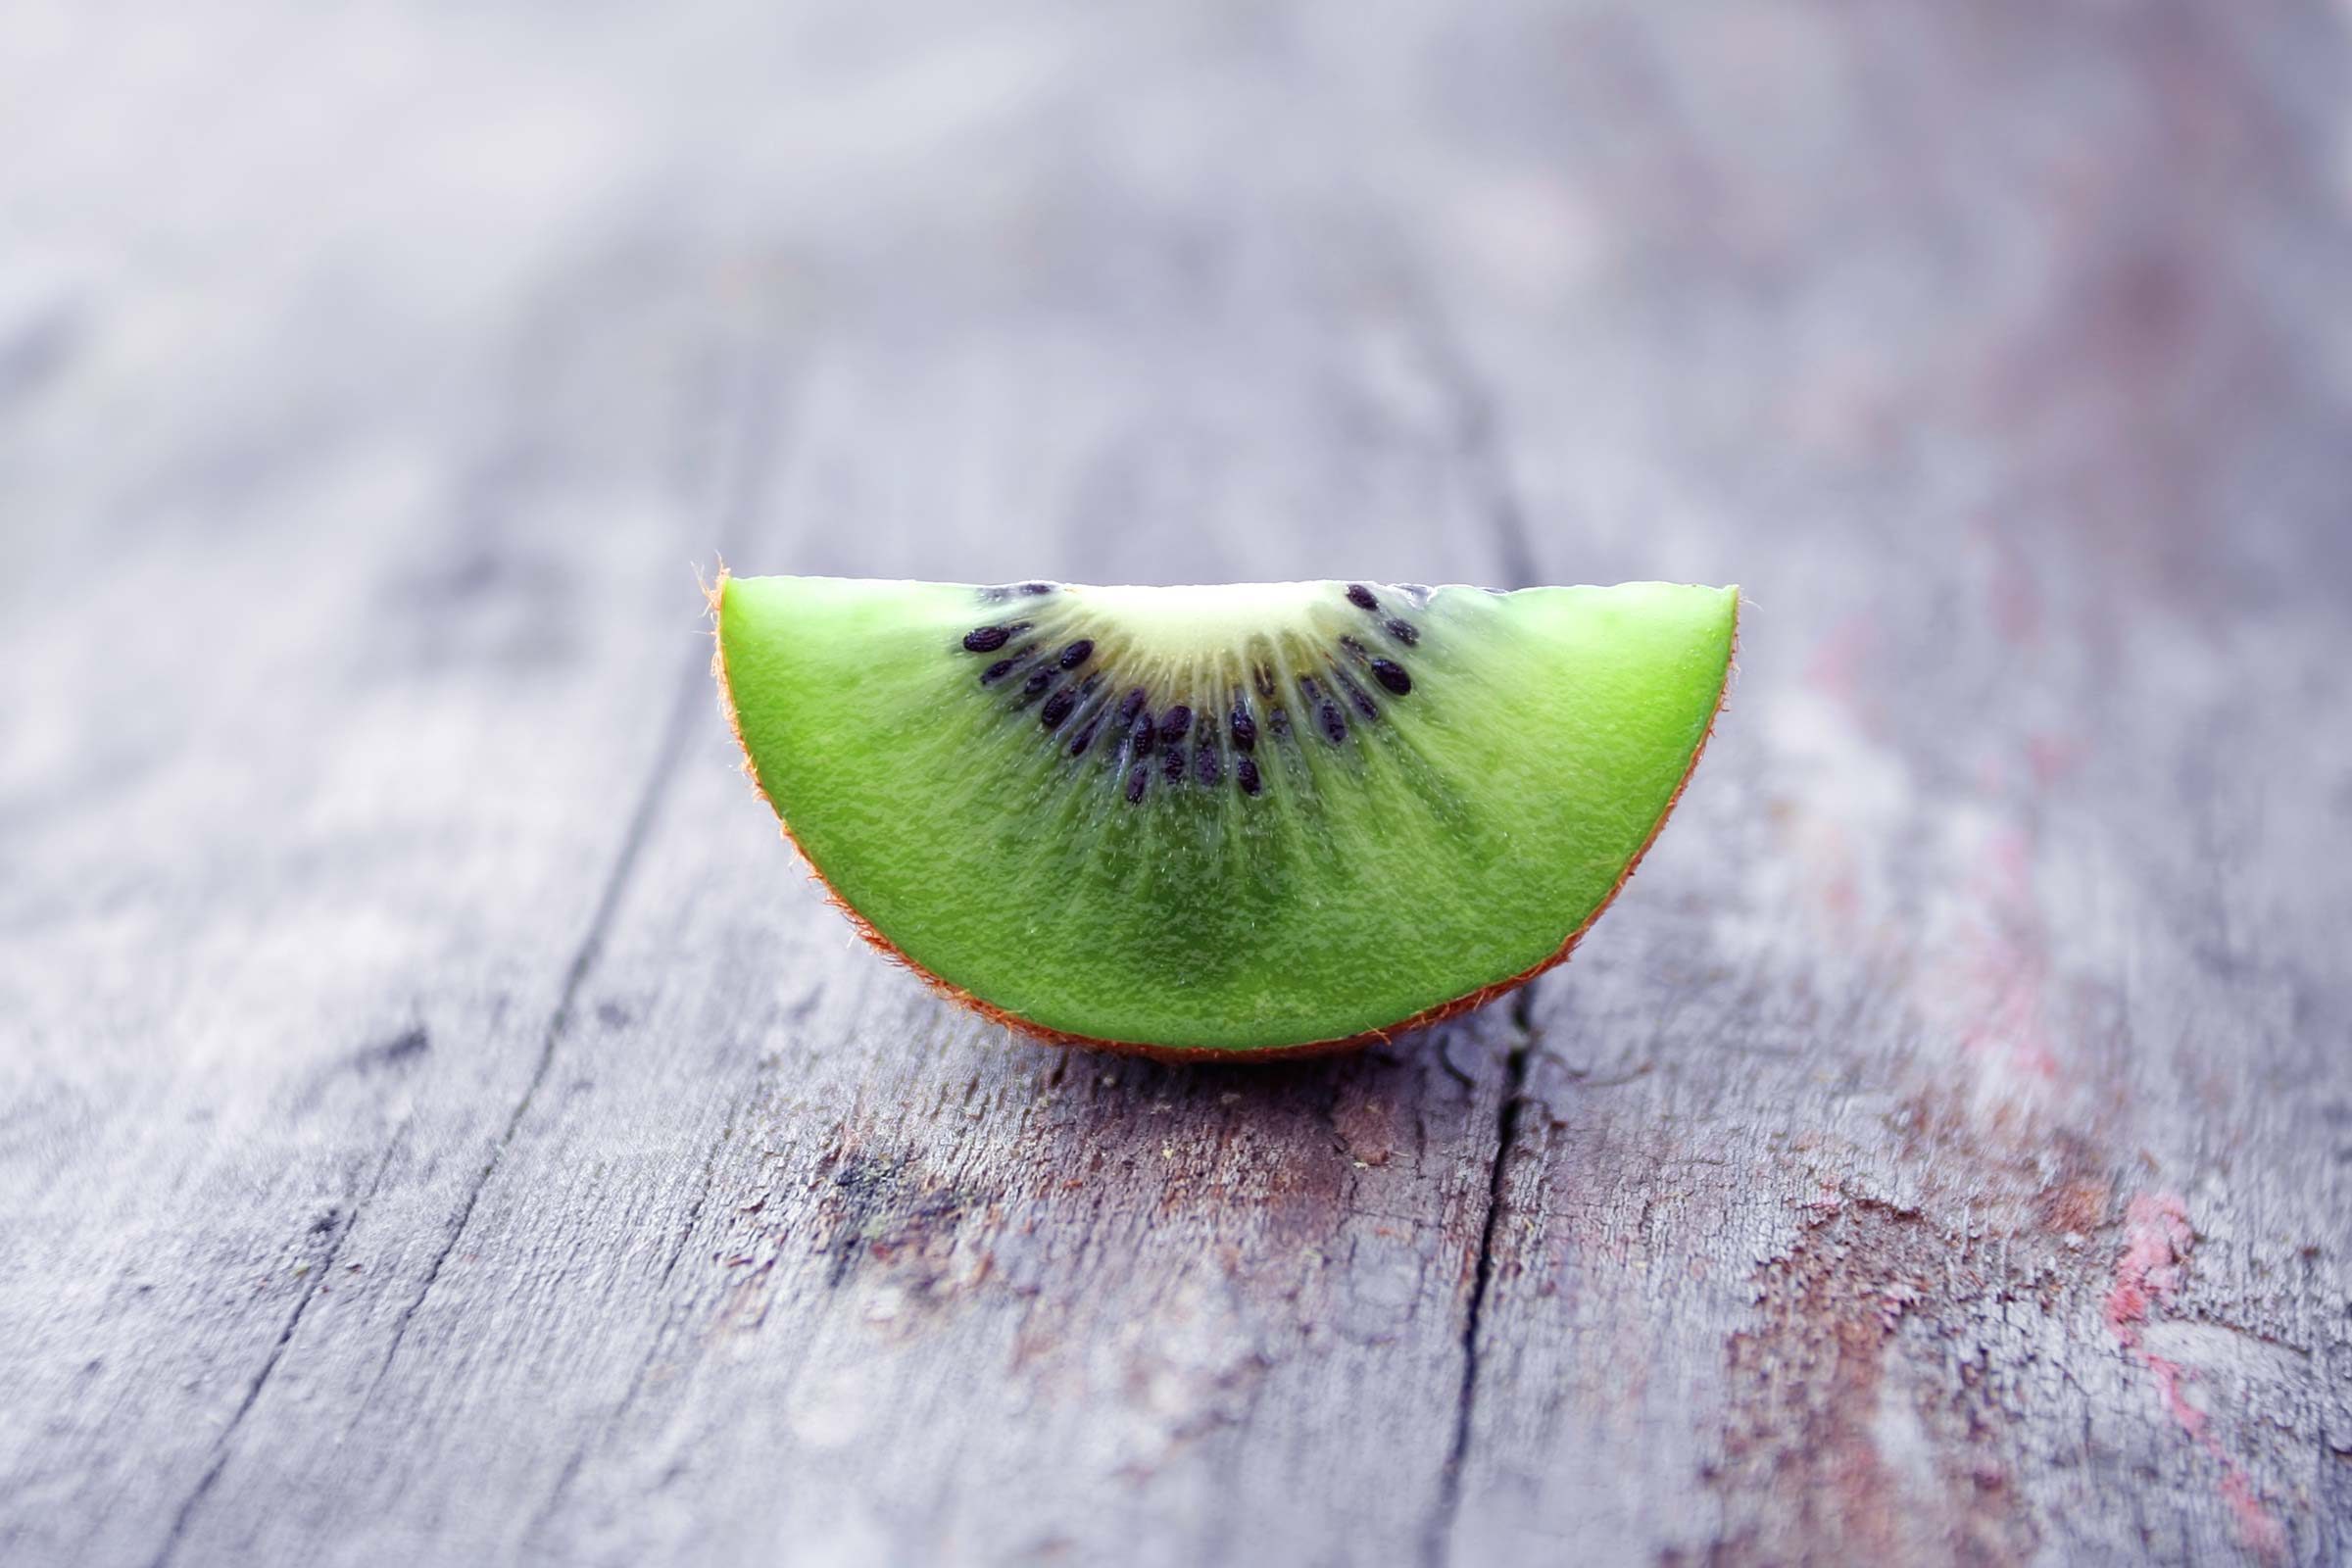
(1129, 705)
(1265, 681)
(1245, 769)
(986, 639)
(1172, 765)
(998, 670)
(1315, 703)
(1354, 649)
(1077, 654)
(1403, 632)
(1245, 728)
(1359, 697)
(1085, 736)
(1207, 767)
(1392, 675)
(1139, 778)
(1361, 597)
(1279, 720)
(1175, 724)
(1058, 708)
(1038, 679)
(1141, 735)
(1037, 587)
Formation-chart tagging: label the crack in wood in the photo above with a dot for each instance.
(320, 1272)
(694, 1211)
(1434, 1539)
(748, 466)
(662, 1336)
(559, 1023)
(1477, 443)
(577, 1459)
(1474, 438)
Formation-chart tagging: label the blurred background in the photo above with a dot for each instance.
(377, 382)
(408, 269)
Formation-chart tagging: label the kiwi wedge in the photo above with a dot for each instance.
(1226, 821)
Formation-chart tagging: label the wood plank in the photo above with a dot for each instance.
(788, 1256)
(1942, 1160)
(436, 1121)
(281, 1322)
(303, 827)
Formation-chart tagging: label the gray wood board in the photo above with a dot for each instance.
(439, 1121)
(1943, 1154)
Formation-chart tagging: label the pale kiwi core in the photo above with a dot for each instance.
(1241, 820)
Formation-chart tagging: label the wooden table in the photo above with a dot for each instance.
(440, 1125)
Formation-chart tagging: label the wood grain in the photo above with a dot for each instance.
(1942, 1160)
(438, 1121)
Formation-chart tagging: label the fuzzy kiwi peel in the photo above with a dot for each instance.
(1220, 823)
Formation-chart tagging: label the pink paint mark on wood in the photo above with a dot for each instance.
(1837, 661)
(2006, 966)
(2257, 1526)
(1984, 990)
(1836, 668)
(2149, 1271)
(1834, 883)
(2016, 597)
(2156, 1239)
(2052, 755)
(1841, 894)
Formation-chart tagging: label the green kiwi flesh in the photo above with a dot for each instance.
(1246, 820)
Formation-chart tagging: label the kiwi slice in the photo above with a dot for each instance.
(1249, 819)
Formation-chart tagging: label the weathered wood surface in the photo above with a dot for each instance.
(437, 1124)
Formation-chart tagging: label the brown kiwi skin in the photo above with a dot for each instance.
(1042, 1034)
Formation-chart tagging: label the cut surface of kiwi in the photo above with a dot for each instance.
(1223, 820)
